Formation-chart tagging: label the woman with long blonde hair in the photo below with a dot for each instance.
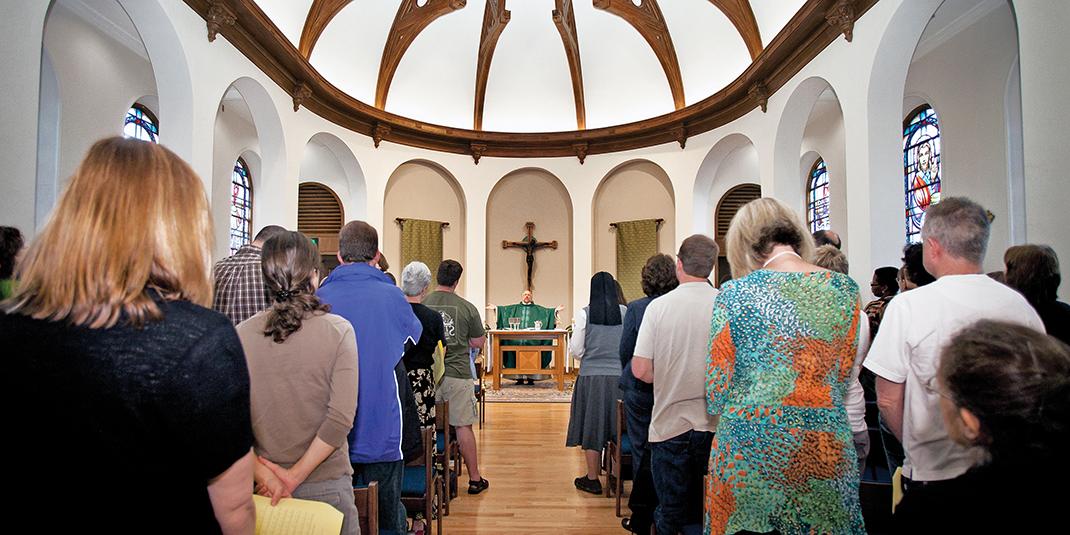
(125, 386)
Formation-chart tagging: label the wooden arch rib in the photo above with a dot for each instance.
(319, 15)
(495, 17)
(647, 19)
(565, 20)
(408, 23)
(741, 16)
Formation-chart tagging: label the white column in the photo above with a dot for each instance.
(1043, 42)
(22, 30)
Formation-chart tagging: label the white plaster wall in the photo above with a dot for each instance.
(234, 137)
(965, 80)
(824, 136)
(98, 81)
(320, 165)
(868, 76)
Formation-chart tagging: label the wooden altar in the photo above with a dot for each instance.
(528, 358)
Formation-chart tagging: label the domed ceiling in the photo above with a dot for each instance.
(536, 65)
(530, 77)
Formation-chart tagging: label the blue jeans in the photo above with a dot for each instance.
(638, 405)
(392, 518)
(679, 466)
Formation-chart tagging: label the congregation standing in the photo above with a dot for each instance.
(742, 403)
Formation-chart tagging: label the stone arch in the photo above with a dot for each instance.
(733, 160)
(635, 189)
(248, 122)
(424, 189)
(341, 172)
(787, 147)
(537, 195)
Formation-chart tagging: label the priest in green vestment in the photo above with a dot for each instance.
(528, 313)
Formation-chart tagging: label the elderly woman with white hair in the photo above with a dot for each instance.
(415, 281)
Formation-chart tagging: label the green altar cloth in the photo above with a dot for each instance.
(528, 315)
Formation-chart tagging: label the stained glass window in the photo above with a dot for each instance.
(921, 167)
(241, 206)
(817, 197)
(141, 124)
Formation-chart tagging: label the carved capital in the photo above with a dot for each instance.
(759, 93)
(219, 15)
(842, 17)
(379, 132)
(301, 92)
(477, 151)
(680, 135)
(581, 151)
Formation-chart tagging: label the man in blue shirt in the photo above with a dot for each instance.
(384, 323)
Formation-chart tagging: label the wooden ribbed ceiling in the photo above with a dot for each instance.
(287, 61)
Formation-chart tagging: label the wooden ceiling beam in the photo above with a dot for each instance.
(741, 16)
(319, 16)
(647, 19)
(565, 20)
(408, 23)
(495, 17)
(255, 36)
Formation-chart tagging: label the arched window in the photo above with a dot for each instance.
(141, 124)
(921, 167)
(241, 206)
(817, 197)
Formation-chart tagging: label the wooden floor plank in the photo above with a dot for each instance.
(522, 453)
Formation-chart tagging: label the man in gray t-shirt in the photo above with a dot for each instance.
(671, 353)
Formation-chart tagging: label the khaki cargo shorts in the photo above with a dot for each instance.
(461, 394)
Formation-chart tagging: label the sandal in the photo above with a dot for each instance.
(475, 487)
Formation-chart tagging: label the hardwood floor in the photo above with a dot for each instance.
(522, 453)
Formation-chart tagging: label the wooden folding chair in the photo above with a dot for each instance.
(447, 450)
(619, 452)
(421, 488)
(367, 500)
(481, 392)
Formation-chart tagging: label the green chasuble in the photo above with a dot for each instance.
(528, 315)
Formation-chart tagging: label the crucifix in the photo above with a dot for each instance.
(529, 245)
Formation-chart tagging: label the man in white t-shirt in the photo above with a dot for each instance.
(670, 352)
(919, 323)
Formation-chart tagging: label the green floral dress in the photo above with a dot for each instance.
(781, 350)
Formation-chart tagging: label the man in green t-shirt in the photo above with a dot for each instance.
(464, 333)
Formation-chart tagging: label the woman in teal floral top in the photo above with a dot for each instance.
(783, 340)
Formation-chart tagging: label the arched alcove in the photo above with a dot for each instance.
(731, 161)
(823, 137)
(422, 189)
(727, 205)
(329, 161)
(633, 190)
(534, 195)
(320, 216)
(976, 47)
(98, 75)
(247, 125)
(802, 116)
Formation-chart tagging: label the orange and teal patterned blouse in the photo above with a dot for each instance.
(781, 349)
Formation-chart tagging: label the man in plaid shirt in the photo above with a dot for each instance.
(239, 283)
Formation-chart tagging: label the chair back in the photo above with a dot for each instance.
(367, 500)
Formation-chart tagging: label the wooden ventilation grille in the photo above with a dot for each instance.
(731, 203)
(319, 215)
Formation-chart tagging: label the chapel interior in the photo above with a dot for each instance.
(479, 118)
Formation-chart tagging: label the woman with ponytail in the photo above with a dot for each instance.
(303, 373)
(1004, 389)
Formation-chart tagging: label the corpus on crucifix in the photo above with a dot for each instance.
(529, 245)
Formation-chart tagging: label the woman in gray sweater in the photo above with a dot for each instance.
(303, 376)
(596, 343)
